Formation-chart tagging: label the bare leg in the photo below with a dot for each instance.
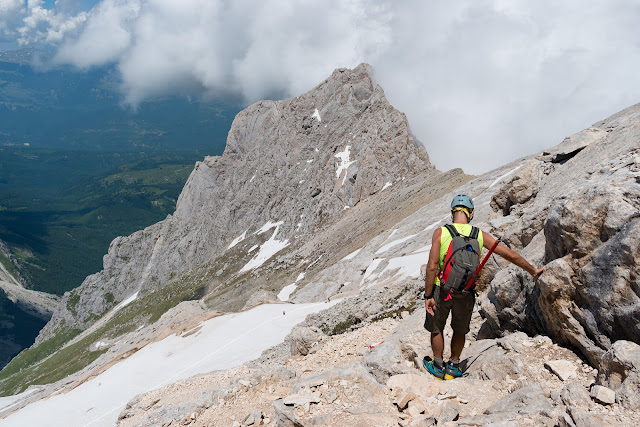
(457, 344)
(437, 345)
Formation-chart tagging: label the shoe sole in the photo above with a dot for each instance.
(431, 373)
(451, 377)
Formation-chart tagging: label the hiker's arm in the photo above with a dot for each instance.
(432, 270)
(511, 256)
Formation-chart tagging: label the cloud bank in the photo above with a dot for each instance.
(32, 22)
(482, 82)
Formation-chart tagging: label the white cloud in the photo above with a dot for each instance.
(481, 82)
(10, 13)
(51, 26)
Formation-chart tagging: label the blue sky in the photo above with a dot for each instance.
(482, 82)
(87, 4)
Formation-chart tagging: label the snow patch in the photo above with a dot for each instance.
(404, 266)
(238, 239)
(351, 255)
(501, 177)
(253, 248)
(9, 401)
(372, 267)
(344, 162)
(391, 235)
(314, 262)
(310, 160)
(316, 114)
(126, 302)
(394, 243)
(286, 292)
(252, 178)
(268, 248)
(268, 226)
(386, 185)
(99, 345)
(409, 265)
(300, 277)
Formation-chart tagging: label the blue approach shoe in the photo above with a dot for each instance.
(433, 369)
(451, 371)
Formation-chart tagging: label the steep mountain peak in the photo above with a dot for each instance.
(302, 159)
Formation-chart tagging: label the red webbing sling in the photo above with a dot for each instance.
(484, 261)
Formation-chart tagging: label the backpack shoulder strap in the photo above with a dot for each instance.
(475, 231)
(452, 230)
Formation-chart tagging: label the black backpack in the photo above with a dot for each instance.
(461, 260)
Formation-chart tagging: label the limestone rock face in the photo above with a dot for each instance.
(288, 168)
(620, 371)
(576, 209)
(303, 340)
(260, 297)
(522, 187)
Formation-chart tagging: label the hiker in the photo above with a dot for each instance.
(444, 294)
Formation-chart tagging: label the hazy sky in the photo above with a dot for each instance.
(481, 82)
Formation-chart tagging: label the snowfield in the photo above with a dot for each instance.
(221, 343)
(268, 248)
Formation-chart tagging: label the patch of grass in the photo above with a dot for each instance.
(73, 302)
(344, 326)
(32, 356)
(395, 314)
(109, 298)
(60, 364)
(8, 265)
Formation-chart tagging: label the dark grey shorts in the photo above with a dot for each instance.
(460, 305)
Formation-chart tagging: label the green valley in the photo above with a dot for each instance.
(59, 210)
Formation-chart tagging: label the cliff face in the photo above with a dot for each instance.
(290, 165)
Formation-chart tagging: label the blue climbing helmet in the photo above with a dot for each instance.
(462, 200)
(463, 203)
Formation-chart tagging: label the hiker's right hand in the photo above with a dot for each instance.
(537, 273)
(430, 305)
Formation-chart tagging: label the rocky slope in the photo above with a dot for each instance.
(574, 207)
(371, 375)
